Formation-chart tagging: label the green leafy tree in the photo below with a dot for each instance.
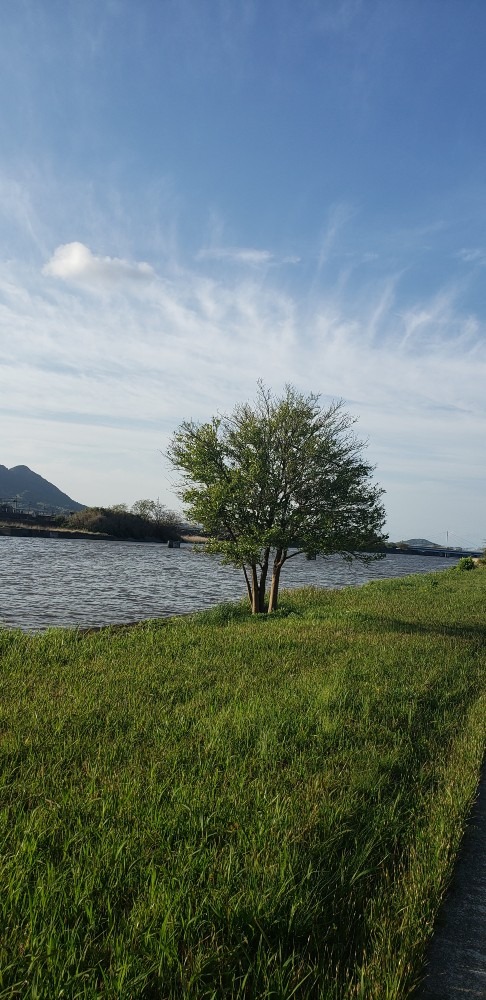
(155, 511)
(165, 522)
(150, 510)
(276, 478)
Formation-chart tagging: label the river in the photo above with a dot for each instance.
(59, 582)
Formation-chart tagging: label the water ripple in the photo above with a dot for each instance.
(60, 582)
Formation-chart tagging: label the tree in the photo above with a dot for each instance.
(277, 478)
(154, 510)
(144, 508)
(155, 513)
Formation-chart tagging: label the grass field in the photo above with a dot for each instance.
(218, 806)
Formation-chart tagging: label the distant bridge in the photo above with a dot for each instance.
(427, 550)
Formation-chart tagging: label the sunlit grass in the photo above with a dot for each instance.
(222, 806)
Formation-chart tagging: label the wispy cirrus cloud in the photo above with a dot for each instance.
(473, 255)
(339, 216)
(237, 255)
(250, 256)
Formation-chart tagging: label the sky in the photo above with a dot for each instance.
(198, 194)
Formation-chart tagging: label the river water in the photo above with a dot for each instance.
(59, 582)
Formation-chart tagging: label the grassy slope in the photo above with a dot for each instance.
(220, 807)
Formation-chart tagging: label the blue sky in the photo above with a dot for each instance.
(198, 194)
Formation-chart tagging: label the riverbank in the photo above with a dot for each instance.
(39, 531)
(21, 530)
(220, 806)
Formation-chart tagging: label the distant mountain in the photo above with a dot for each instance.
(33, 491)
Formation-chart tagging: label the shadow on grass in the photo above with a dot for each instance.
(380, 623)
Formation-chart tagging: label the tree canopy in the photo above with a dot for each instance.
(275, 478)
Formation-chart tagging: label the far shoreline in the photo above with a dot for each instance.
(36, 531)
(20, 530)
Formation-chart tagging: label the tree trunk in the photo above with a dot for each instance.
(263, 582)
(248, 584)
(277, 566)
(255, 591)
(261, 596)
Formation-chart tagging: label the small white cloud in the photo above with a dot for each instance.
(76, 262)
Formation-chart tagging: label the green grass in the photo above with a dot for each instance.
(221, 806)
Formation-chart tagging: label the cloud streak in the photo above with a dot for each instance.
(249, 256)
(339, 216)
(473, 255)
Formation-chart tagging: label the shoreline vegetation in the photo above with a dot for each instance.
(146, 521)
(222, 805)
